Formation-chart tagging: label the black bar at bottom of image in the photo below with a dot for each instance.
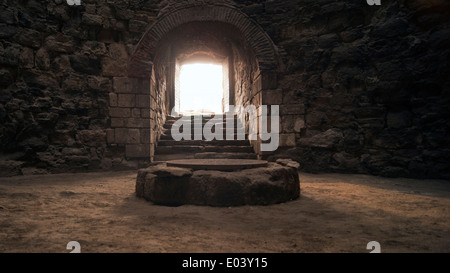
(224, 262)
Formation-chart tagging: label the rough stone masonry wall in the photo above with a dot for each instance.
(363, 89)
(66, 103)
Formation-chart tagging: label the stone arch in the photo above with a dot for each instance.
(252, 60)
(141, 62)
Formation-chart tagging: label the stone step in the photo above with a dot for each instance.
(209, 116)
(204, 142)
(166, 157)
(169, 149)
(202, 149)
(224, 130)
(204, 121)
(225, 155)
(168, 125)
(209, 155)
(203, 116)
(166, 135)
(169, 137)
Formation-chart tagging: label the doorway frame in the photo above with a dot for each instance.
(227, 78)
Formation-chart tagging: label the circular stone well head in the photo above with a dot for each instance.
(196, 182)
(217, 164)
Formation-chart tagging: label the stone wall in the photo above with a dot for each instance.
(66, 103)
(129, 112)
(362, 89)
(366, 89)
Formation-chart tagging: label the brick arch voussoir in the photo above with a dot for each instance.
(141, 62)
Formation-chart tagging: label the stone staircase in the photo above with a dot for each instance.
(169, 149)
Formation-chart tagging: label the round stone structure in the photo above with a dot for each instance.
(252, 183)
(217, 164)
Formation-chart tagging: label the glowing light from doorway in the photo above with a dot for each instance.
(201, 88)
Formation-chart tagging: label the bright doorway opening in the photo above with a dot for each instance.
(201, 88)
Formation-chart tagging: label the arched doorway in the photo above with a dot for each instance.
(212, 33)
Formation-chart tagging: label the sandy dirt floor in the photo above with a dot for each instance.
(335, 213)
